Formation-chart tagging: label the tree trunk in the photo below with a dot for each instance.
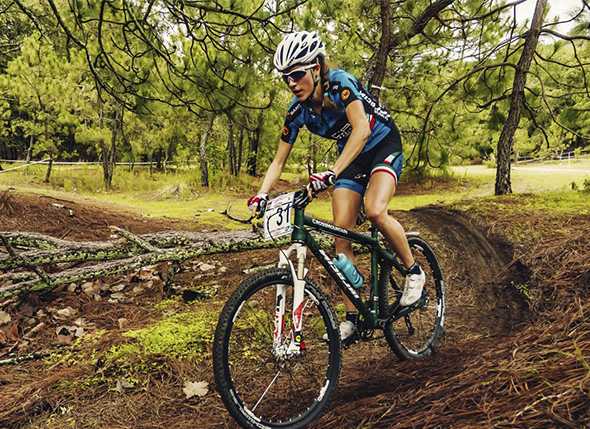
(107, 168)
(165, 162)
(203, 151)
(158, 154)
(389, 41)
(109, 154)
(231, 148)
(49, 168)
(240, 150)
(253, 152)
(170, 154)
(29, 155)
(380, 62)
(251, 163)
(312, 157)
(506, 142)
(254, 145)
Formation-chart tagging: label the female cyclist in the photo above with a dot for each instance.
(333, 104)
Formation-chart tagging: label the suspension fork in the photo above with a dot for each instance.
(298, 273)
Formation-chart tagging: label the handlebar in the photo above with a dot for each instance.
(301, 199)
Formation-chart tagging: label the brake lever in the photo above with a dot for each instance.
(237, 219)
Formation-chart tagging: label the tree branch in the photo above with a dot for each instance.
(420, 22)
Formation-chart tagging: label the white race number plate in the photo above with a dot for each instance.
(277, 217)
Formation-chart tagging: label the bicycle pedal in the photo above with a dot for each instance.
(349, 344)
(415, 306)
(422, 301)
(353, 339)
(418, 304)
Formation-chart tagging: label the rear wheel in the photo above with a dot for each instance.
(416, 334)
(258, 388)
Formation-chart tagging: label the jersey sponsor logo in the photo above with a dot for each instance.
(371, 120)
(329, 226)
(294, 110)
(345, 94)
(343, 132)
(378, 110)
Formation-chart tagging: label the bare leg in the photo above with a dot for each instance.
(345, 207)
(381, 188)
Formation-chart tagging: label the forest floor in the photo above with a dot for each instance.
(516, 351)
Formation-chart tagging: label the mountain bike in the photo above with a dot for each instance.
(273, 366)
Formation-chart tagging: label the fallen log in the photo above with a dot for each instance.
(115, 257)
(84, 254)
(136, 240)
(16, 277)
(20, 359)
(11, 252)
(111, 268)
(95, 251)
(32, 240)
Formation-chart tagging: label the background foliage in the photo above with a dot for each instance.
(177, 83)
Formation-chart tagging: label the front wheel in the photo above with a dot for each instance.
(416, 334)
(259, 387)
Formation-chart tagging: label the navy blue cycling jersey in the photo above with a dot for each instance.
(332, 123)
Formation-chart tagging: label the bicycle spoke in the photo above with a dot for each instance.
(266, 390)
(415, 334)
(279, 383)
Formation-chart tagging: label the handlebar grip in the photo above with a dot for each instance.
(303, 197)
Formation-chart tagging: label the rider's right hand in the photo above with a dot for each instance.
(257, 203)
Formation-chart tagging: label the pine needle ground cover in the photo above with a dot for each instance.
(538, 377)
(533, 374)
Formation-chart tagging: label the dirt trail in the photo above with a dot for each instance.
(481, 309)
(73, 220)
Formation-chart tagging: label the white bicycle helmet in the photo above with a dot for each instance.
(301, 47)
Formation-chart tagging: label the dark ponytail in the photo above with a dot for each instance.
(323, 72)
(325, 82)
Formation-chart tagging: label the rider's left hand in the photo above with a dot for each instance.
(322, 181)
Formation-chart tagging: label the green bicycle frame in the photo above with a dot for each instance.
(373, 315)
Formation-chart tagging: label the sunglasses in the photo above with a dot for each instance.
(298, 74)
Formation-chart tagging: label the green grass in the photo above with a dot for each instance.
(179, 335)
(478, 181)
(174, 195)
(573, 203)
(177, 194)
(531, 178)
(569, 203)
(182, 183)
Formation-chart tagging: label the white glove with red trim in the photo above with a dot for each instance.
(322, 181)
(257, 203)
